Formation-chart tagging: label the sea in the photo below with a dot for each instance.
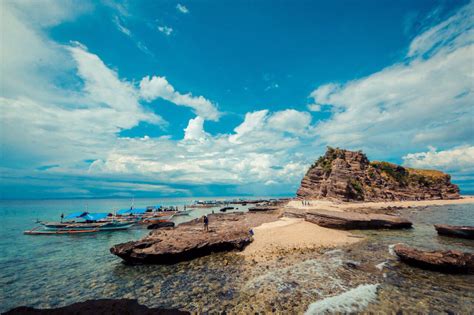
(46, 271)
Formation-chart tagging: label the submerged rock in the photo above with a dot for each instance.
(348, 175)
(103, 306)
(351, 220)
(455, 231)
(189, 240)
(451, 261)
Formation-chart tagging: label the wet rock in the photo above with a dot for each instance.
(263, 208)
(455, 231)
(104, 306)
(451, 261)
(349, 175)
(350, 220)
(160, 225)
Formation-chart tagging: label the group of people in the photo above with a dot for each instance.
(305, 203)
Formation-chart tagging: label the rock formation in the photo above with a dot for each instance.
(103, 306)
(455, 231)
(348, 175)
(189, 240)
(451, 261)
(349, 220)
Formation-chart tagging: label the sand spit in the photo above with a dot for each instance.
(288, 234)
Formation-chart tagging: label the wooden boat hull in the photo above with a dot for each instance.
(455, 231)
(51, 232)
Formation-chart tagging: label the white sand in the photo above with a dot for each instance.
(292, 234)
(342, 206)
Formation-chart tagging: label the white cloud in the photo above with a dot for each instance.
(409, 105)
(460, 159)
(195, 130)
(314, 107)
(181, 8)
(290, 120)
(159, 87)
(165, 30)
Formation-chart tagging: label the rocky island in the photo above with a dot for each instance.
(350, 176)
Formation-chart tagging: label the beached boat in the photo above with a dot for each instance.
(182, 212)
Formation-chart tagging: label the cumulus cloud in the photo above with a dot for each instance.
(158, 87)
(290, 120)
(424, 100)
(460, 159)
(195, 130)
(181, 8)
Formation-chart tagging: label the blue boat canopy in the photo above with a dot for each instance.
(76, 215)
(132, 211)
(95, 216)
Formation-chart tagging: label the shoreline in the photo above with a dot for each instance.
(334, 205)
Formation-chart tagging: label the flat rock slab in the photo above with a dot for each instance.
(189, 240)
(351, 220)
(451, 261)
(103, 306)
(455, 231)
(263, 208)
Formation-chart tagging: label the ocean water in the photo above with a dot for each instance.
(53, 270)
(57, 270)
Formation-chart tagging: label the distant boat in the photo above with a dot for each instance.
(90, 222)
(182, 212)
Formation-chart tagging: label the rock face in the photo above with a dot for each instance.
(455, 231)
(350, 220)
(105, 306)
(348, 175)
(451, 261)
(189, 240)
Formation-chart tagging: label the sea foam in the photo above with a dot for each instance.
(353, 300)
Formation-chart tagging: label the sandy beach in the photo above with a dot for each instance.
(293, 234)
(346, 206)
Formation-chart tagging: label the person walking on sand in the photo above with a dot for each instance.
(206, 223)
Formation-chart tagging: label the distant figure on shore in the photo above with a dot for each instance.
(62, 217)
(206, 223)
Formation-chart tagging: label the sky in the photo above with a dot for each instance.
(219, 98)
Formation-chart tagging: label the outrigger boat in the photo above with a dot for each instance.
(91, 222)
(147, 215)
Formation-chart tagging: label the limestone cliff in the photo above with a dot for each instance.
(348, 175)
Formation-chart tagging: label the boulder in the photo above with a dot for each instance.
(102, 306)
(349, 175)
(451, 261)
(189, 240)
(159, 225)
(455, 231)
(351, 220)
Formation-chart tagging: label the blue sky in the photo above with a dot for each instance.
(165, 98)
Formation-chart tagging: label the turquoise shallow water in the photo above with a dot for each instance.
(51, 271)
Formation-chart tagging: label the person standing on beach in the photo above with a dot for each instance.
(62, 217)
(206, 223)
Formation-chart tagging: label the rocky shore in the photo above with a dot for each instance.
(189, 240)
